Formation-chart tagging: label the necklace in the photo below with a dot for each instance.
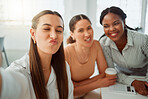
(83, 62)
(82, 59)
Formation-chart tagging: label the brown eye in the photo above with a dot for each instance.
(81, 30)
(46, 29)
(89, 28)
(105, 26)
(116, 23)
(59, 31)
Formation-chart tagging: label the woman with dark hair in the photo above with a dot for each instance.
(125, 49)
(81, 54)
(44, 65)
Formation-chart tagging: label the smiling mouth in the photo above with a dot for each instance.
(113, 34)
(88, 39)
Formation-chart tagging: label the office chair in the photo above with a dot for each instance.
(2, 49)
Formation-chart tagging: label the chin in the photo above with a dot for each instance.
(88, 45)
(115, 39)
(50, 51)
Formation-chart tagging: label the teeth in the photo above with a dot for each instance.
(113, 34)
(88, 39)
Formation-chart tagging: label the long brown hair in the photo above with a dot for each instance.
(72, 24)
(57, 62)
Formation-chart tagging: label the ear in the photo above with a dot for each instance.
(124, 23)
(72, 35)
(32, 32)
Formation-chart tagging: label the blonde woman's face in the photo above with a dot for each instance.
(49, 34)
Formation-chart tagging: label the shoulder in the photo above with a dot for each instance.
(103, 40)
(136, 34)
(138, 38)
(69, 49)
(96, 44)
(20, 64)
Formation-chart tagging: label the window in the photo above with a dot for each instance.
(132, 8)
(20, 12)
(146, 22)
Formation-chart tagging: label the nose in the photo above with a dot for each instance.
(87, 34)
(112, 28)
(53, 35)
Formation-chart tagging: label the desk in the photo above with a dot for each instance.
(112, 95)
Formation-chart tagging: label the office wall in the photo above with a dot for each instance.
(18, 37)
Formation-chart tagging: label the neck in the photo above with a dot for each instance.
(82, 54)
(123, 39)
(45, 60)
(122, 42)
(81, 50)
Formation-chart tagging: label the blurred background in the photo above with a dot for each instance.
(16, 15)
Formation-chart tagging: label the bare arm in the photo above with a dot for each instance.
(87, 81)
(97, 81)
(101, 64)
(103, 82)
(101, 61)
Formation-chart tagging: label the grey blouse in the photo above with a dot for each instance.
(134, 57)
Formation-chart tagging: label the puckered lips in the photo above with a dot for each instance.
(53, 42)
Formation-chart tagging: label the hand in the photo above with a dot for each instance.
(140, 87)
(107, 81)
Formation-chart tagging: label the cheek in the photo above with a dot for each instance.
(121, 26)
(92, 31)
(41, 38)
(60, 37)
(105, 31)
(79, 36)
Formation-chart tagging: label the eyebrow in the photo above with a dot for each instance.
(113, 22)
(86, 27)
(51, 25)
(117, 21)
(46, 24)
(60, 27)
(89, 26)
(104, 24)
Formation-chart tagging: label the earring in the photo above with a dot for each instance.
(34, 42)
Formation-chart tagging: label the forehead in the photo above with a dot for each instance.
(82, 23)
(110, 17)
(54, 20)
